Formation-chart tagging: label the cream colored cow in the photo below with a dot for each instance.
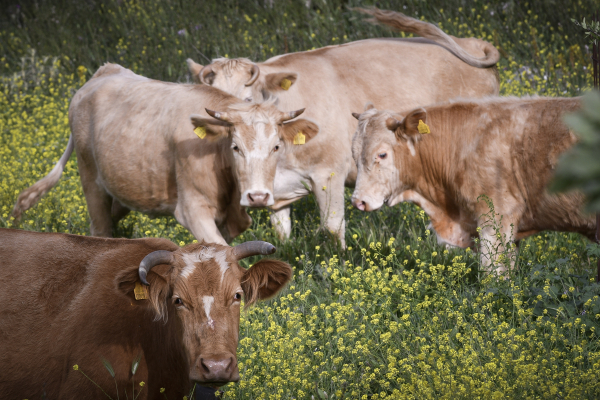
(137, 149)
(333, 81)
(445, 157)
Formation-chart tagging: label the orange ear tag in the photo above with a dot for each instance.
(140, 291)
(285, 84)
(299, 138)
(200, 131)
(423, 128)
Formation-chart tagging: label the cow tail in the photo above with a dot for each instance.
(33, 194)
(404, 23)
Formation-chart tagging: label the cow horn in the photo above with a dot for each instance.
(255, 73)
(204, 72)
(356, 115)
(392, 124)
(253, 248)
(151, 260)
(286, 116)
(218, 115)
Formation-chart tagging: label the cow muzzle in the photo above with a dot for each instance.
(216, 370)
(257, 198)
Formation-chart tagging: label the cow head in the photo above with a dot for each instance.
(203, 284)
(259, 134)
(383, 147)
(241, 78)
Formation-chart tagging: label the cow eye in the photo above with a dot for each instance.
(235, 148)
(276, 148)
(178, 302)
(382, 155)
(237, 296)
(248, 99)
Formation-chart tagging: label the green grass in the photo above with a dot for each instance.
(402, 318)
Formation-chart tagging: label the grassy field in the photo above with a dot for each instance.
(392, 316)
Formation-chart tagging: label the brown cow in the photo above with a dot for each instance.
(136, 150)
(504, 148)
(336, 80)
(69, 300)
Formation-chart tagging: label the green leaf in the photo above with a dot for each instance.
(108, 367)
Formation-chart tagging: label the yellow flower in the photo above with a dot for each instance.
(76, 367)
(162, 390)
(142, 383)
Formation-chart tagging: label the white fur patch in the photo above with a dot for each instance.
(190, 260)
(222, 261)
(208, 302)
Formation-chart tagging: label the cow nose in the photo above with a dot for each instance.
(219, 370)
(258, 199)
(360, 204)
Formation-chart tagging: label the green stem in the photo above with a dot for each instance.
(90, 379)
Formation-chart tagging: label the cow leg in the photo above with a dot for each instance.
(282, 223)
(98, 200)
(118, 211)
(330, 197)
(496, 245)
(199, 219)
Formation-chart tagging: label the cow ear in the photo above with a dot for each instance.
(280, 81)
(415, 123)
(156, 294)
(194, 69)
(264, 279)
(210, 128)
(299, 131)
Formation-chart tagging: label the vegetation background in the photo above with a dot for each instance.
(392, 316)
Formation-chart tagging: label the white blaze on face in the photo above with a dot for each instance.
(259, 160)
(208, 302)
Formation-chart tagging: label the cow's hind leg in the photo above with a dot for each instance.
(497, 248)
(98, 200)
(118, 211)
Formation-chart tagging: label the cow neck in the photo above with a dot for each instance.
(434, 165)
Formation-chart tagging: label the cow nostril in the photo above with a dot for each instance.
(250, 198)
(229, 365)
(205, 368)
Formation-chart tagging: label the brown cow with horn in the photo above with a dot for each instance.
(141, 145)
(69, 300)
(336, 80)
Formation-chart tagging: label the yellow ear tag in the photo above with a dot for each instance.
(140, 291)
(299, 138)
(423, 128)
(200, 131)
(285, 84)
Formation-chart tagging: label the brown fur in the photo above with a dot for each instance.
(68, 300)
(334, 81)
(504, 148)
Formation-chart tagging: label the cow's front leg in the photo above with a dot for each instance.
(330, 197)
(199, 218)
(282, 223)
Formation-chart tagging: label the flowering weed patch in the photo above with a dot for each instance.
(392, 316)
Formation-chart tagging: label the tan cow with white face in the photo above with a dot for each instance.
(83, 300)
(504, 148)
(141, 145)
(332, 82)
